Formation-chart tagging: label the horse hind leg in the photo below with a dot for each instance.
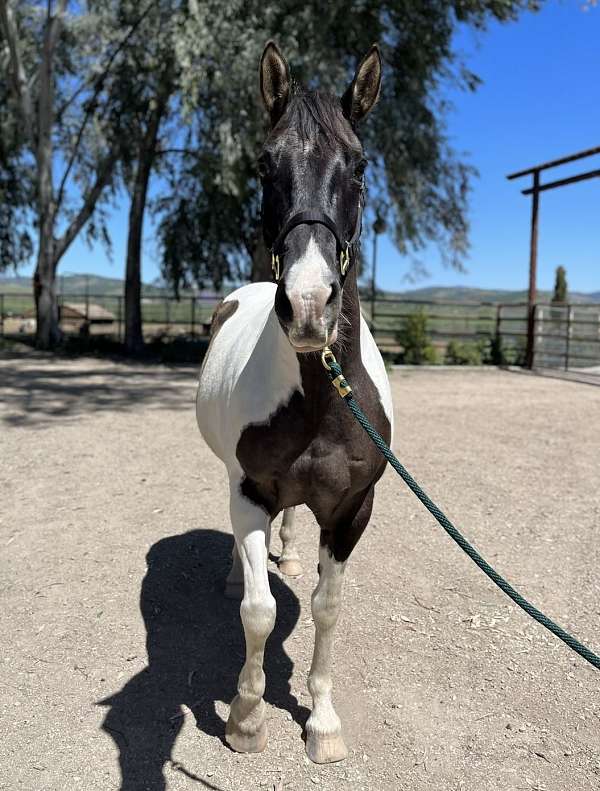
(289, 560)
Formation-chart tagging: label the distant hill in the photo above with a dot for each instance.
(465, 294)
(77, 284)
(95, 284)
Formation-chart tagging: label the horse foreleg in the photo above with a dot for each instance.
(324, 742)
(234, 584)
(246, 730)
(289, 560)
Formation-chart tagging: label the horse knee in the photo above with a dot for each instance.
(258, 615)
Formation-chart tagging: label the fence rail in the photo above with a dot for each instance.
(566, 336)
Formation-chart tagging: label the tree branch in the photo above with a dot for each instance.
(161, 151)
(91, 104)
(8, 26)
(89, 203)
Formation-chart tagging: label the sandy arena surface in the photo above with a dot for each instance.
(120, 655)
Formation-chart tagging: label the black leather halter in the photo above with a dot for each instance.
(317, 217)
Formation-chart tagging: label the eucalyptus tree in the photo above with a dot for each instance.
(145, 87)
(57, 60)
(15, 182)
(209, 221)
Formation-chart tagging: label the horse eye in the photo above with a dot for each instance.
(359, 170)
(263, 168)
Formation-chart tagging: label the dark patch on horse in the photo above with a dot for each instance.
(223, 311)
(313, 451)
(255, 494)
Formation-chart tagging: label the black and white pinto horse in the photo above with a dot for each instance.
(265, 405)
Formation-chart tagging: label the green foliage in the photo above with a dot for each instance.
(413, 337)
(468, 352)
(421, 185)
(560, 286)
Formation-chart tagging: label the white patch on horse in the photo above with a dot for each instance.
(249, 350)
(375, 367)
(308, 287)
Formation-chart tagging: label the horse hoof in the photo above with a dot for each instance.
(291, 568)
(246, 742)
(234, 590)
(325, 749)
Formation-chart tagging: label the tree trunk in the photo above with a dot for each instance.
(48, 332)
(134, 338)
(47, 329)
(261, 262)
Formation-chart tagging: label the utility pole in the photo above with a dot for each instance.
(379, 226)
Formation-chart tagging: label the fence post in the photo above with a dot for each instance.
(168, 307)
(499, 356)
(193, 317)
(538, 330)
(568, 339)
(119, 317)
(1, 315)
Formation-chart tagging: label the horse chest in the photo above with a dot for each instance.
(308, 453)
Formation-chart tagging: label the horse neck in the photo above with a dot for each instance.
(347, 348)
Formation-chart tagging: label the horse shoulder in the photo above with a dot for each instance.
(248, 372)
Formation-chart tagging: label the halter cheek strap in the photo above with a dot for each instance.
(316, 217)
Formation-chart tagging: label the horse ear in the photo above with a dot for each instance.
(275, 81)
(364, 89)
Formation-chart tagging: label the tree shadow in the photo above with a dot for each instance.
(37, 395)
(195, 646)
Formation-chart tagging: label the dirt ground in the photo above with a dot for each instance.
(120, 655)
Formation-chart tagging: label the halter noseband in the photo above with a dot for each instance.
(317, 217)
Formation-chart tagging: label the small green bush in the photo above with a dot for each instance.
(416, 344)
(468, 352)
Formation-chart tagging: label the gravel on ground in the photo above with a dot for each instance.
(120, 655)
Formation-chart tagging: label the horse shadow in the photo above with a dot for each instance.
(195, 646)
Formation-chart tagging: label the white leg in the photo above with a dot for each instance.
(246, 730)
(234, 584)
(289, 560)
(324, 743)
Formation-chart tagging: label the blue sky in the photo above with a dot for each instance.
(539, 100)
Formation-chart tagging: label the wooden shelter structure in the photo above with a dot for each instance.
(534, 190)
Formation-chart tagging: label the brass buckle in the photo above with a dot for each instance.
(327, 354)
(275, 265)
(345, 259)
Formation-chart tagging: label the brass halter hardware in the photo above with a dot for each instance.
(275, 266)
(345, 260)
(344, 263)
(327, 354)
(340, 383)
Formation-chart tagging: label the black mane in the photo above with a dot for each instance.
(318, 116)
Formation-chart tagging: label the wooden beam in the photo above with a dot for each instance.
(562, 182)
(553, 163)
(533, 247)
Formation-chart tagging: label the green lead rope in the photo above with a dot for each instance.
(344, 389)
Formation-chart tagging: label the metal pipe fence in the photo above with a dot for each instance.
(566, 336)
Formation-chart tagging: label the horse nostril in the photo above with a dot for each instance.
(335, 290)
(283, 306)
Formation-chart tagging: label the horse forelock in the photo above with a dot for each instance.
(316, 119)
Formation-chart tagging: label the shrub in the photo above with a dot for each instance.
(468, 353)
(416, 344)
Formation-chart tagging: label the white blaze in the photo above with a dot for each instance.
(308, 286)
